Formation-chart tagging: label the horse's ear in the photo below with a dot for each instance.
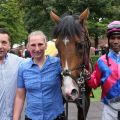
(83, 17)
(54, 17)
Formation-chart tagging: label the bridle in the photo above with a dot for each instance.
(84, 65)
(80, 80)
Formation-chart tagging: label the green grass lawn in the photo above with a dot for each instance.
(97, 94)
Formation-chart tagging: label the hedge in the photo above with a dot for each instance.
(94, 58)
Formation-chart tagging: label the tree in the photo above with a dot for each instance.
(11, 19)
(37, 15)
(101, 12)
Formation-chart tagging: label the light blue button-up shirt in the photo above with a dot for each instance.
(43, 89)
(8, 84)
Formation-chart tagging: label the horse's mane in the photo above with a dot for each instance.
(69, 26)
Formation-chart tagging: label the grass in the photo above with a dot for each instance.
(97, 94)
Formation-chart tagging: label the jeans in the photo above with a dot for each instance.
(26, 118)
(59, 117)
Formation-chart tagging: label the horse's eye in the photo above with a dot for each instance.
(80, 45)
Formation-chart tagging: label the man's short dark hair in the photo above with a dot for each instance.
(4, 31)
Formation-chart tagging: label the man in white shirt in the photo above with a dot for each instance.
(9, 64)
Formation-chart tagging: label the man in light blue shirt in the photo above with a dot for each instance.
(39, 80)
(9, 64)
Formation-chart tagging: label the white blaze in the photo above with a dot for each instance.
(68, 85)
(66, 40)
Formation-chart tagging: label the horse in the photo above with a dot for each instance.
(73, 44)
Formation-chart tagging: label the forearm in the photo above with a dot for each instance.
(93, 83)
(95, 78)
(18, 107)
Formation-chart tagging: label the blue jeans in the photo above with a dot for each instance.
(59, 117)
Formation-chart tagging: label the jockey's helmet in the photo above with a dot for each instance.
(113, 28)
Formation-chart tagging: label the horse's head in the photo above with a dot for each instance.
(72, 42)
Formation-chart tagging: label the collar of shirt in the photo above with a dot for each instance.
(5, 59)
(47, 62)
(114, 54)
(119, 53)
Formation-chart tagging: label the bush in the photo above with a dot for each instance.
(94, 58)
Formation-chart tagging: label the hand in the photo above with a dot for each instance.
(86, 75)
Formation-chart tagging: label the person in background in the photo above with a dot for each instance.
(26, 52)
(51, 48)
(103, 49)
(107, 72)
(39, 79)
(9, 64)
(96, 51)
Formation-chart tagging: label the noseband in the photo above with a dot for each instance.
(79, 80)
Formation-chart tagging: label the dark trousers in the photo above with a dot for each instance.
(26, 118)
(60, 117)
(119, 115)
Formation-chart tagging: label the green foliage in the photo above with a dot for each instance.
(36, 14)
(11, 19)
(94, 59)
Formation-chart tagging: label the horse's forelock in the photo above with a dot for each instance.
(69, 27)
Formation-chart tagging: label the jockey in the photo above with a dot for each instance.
(107, 72)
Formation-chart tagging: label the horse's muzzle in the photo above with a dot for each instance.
(71, 95)
(74, 93)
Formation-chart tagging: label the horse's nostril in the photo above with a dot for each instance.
(74, 92)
